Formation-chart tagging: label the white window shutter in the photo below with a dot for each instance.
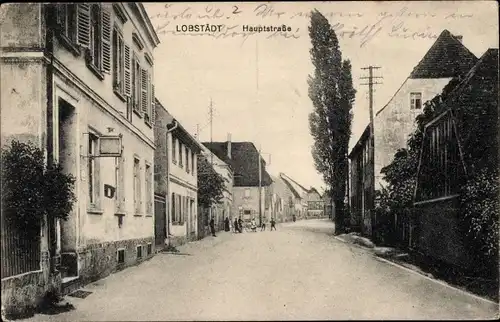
(127, 59)
(153, 105)
(144, 91)
(83, 25)
(106, 38)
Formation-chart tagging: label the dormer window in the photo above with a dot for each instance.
(415, 101)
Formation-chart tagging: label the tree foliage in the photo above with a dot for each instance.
(476, 111)
(332, 94)
(210, 183)
(31, 189)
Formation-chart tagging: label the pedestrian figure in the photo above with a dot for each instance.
(273, 224)
(263, 227)
(226, 225)
(235, 224)
(212, 226)
(240, 225)
(254, 225)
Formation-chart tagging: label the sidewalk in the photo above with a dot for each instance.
(393, 256)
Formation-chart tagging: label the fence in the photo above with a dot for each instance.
(20, 250)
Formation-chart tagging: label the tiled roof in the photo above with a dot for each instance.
(447, 57)
(244, 161)
(294, 186)
(484, 73)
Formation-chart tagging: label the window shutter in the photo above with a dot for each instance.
(106, 38)
(144, 91)
(153, 105)
(122, 183)
(83, 25)
(150, 97)
(97, 187)
(128, 85)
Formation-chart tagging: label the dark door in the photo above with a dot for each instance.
(160, 221)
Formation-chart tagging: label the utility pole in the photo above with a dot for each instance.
(372, 138)
(260, 191)
(211, 120)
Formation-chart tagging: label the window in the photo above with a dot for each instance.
(67, 20)
(415, 101)
(137, 186)
(174, 208)
(149, 191)
(179, 209)
(150, 249)
(95, 37)
(120, 256)
(180, 154)
(139, 252)
(247, 193)
(192, 163)
(93, 171)
(174, 150)
(119, 81)
(187, 160)
(136, 83)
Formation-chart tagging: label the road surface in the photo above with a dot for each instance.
(297, 272)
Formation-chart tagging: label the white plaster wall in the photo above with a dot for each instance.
(396, 121)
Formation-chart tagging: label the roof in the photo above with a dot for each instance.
(361, 142)
(297, 189)
(180, 131)
(447, 57)
(485, 69)
(244, 161)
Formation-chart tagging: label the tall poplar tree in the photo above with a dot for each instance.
(332, 94)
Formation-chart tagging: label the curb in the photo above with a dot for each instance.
(477, 297)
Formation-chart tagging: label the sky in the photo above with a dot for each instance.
(257, 82)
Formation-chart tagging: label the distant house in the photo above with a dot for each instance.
(176, 180)
(446, 58)
(443, 163)
(223, 209)
(284, 200)
(315, 204)
(245, 163)
(300, 196)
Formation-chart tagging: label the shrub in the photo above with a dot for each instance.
(30, 189)
(479, 205)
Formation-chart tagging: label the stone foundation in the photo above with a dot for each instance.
(21, 294)
(97, 261)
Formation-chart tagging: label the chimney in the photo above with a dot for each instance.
(229, 145)
(459, 37)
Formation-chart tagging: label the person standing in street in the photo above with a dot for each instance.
(236, 225)
(240, 225)
(273, 224)
(226, 224)
(263, 227)
(212, 226)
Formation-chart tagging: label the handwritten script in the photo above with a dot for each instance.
(354, 26)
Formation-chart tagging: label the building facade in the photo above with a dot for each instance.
(94, 84)
(300, 198)
(445, 59)
(183, 150)
(315, 204)
(223, 209)
(245, 164)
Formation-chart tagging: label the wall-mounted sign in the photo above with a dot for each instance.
(110, 146)
(109, 191)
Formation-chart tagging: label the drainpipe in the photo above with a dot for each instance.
(49, 51)
(168, 199)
